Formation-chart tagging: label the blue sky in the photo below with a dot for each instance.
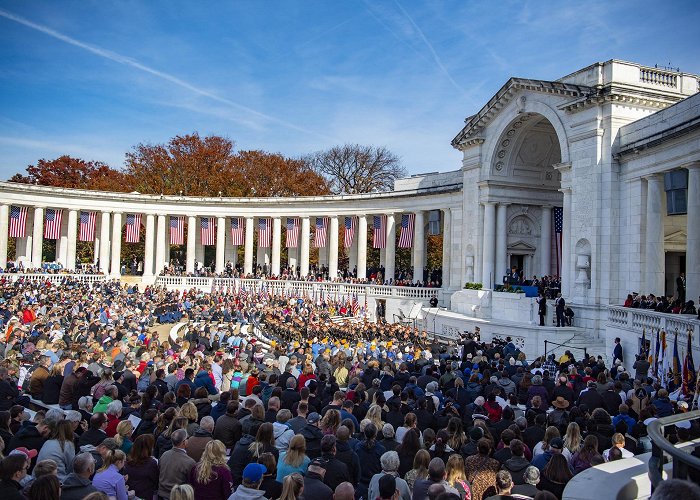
(94, 78)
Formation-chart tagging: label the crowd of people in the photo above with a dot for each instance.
(662, 303)
(272, 397)
(431, 278)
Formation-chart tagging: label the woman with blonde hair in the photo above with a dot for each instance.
(420, 468)
(292, 487)
(340, 371)
(374, 415)
(182, 492)
(189, 410)
(572, 439)
(294, 460)
(211, 477)
(108, 480)
(550, 433)
(123, 436)
(456, 476)
(330, 422)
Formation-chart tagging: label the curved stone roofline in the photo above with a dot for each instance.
(13, 187)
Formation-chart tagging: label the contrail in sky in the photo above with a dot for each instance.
(128, 61)
(435, 55)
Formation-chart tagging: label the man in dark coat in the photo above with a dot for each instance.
(336, 471)
(617, 351)
(8, 390)
(313, 435)
(314, 486)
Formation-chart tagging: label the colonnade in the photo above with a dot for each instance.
(654, 239)
(108, 242)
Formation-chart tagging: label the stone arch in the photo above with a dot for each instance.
(521, 224)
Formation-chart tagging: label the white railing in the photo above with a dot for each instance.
(54, 278)
(642, 320)
(658, 77)
(312, 288)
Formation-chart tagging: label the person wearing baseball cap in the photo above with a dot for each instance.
(556, 446)
(249, 488)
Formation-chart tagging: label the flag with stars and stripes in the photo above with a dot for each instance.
(349, 231)
(406, 237)
(264, 233)
(18, 221)
(237, 231)
(379, 227)
(87, 226)
(52, 223)
(321, 231)
(558, 214)
(207, 227)
(292, 232)
(133, 228)
(689, 375)
(355, 305)
(177, 229)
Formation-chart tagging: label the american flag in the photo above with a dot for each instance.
(689, 375)
(243, 294)
(406, 237)
(177, 230)
(208, 229)
(379, 240)
(558, 214)
(320, 236)
(87, 226)
(264, 233)
(237, 232)
(349, 231)
(133, 228)
(52, 223)
(355, 305)
(18, 221)
(292, 232)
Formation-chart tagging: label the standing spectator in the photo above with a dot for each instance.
(175, 464)
(555, 476)
(481, 471)
(227, 428)
(369, 452)
(13, 469)
(142, 468)
(294, 460)
(211, 477)
(251, 478)
(202, 436)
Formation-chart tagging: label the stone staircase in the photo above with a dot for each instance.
(576, 339)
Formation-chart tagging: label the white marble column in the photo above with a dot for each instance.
(418, 246)
(545, 249)
(148, 246)
(248, 258)
(220, 244)
(655, 264)
(191, 243)
(567, 277)
(116, 244)
(72, 238)
(4, 233)
(160, 245)
(276, 244)
(489, 258)
(38, 237)
(692, 252)
(502, 261)
(352, 252)
(292, 260)
(304, 246)
(62, 243)
(105, 228)
(446, 248)
(333, 247)
(361, 237)
(390, 262)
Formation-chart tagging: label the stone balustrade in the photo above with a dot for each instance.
(54, 278)
(311, 288)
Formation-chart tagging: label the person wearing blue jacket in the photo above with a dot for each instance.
(204, 380)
